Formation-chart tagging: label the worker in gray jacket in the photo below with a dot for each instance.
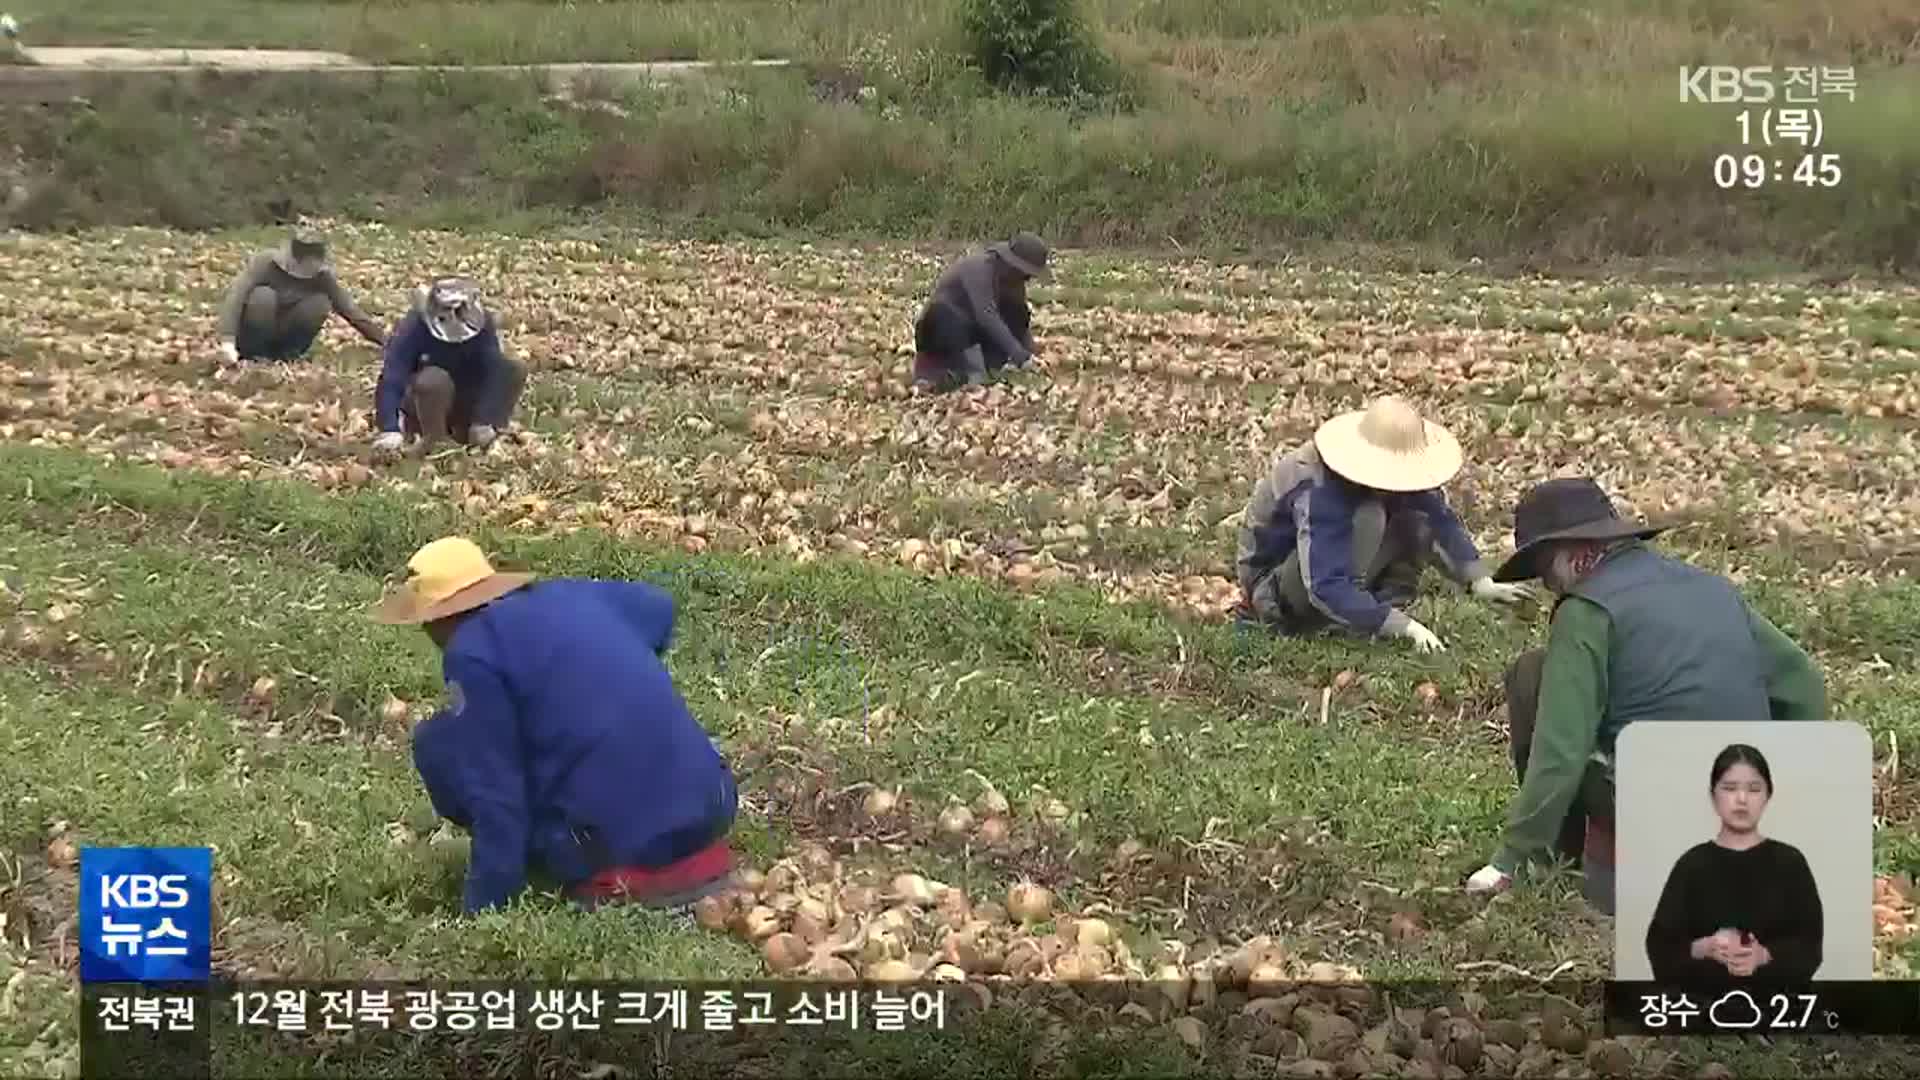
(279, 303)
(978, 320)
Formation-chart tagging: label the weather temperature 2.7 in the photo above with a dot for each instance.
(1756, 170)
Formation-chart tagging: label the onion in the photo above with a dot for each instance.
(813, 909)
(784, 953)
(955, 908)
(1094, 960)
(858, 899)
(784, 877)
(961, 953)
(991, 803)
(809, 929)
(713, 912)
(1173, 985)
(956, 820)
(759, 923)
(882, 944)
(990, 912)
(913, 889)
(1128, 851)
(1070, 967)
(1093, 932)
(61, 853)
(785, 903)
(891, 971)
(1023, 961)
(1266, 980)
(1053, 812)
(393, 711)
(898, 919)
(831, 969)
(262, 690)
(1029, 903)
(994, 831)
(751, 880)
(949, 973)
(817, 862)
(880, 802)
(1053, 946)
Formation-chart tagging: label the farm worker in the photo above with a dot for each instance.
(565, 745)
(445, 374)
(977, 319)
(1337, 533)
(1635, 636)
(277, 306)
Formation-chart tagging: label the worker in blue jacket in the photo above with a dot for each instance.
(565, 746)
(1337, 534)
(444, 374)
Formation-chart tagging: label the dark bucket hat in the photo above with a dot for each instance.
(1026, 253)
(1570, 508)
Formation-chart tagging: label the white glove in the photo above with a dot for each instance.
(229, 352)
(1490, 590)
(1488, 879)
(481, 436)
(388, 442)
(1423, 639)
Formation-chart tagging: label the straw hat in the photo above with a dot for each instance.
(446, 577)
(1389, 447)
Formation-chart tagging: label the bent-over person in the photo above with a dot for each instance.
(1635, 636)
(1339, 531)
(565, 747)
(978, 320)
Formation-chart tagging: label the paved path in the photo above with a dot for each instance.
(58, 74)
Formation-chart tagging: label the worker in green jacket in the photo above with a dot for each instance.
(1635, 636)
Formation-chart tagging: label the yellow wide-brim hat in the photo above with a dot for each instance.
(444, 578)
(1389, 446)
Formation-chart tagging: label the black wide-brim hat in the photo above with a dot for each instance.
(1570, 508)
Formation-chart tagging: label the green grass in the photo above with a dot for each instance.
(186, 588)
(1491, 129)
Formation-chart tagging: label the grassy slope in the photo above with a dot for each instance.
(261, 577)
(1491, 128)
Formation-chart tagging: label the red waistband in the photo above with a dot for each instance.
(700, 868)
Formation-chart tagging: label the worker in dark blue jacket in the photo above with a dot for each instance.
(565, 746)
(444, 373)
(1337, 534)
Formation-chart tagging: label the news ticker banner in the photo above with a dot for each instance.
(216, 1028)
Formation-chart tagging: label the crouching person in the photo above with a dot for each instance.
(1341, 529)
(978, 320)
(1636, 635)
(565, 746)
(278, 305)
(445, 374)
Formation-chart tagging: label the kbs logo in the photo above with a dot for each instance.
(1722, 85)
(146, 914)
(144, 891)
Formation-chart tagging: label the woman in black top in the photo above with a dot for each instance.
(1739, 905)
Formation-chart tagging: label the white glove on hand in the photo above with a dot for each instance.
(229, 352)
(1490, 590)
(1488, 879)
(1423, 639)
(388, 442)
(481, 436)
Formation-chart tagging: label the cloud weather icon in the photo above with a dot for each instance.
(1726, 1013)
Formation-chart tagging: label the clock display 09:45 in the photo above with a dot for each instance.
(1757, 170)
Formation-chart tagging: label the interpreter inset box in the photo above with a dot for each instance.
(1744, 850)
